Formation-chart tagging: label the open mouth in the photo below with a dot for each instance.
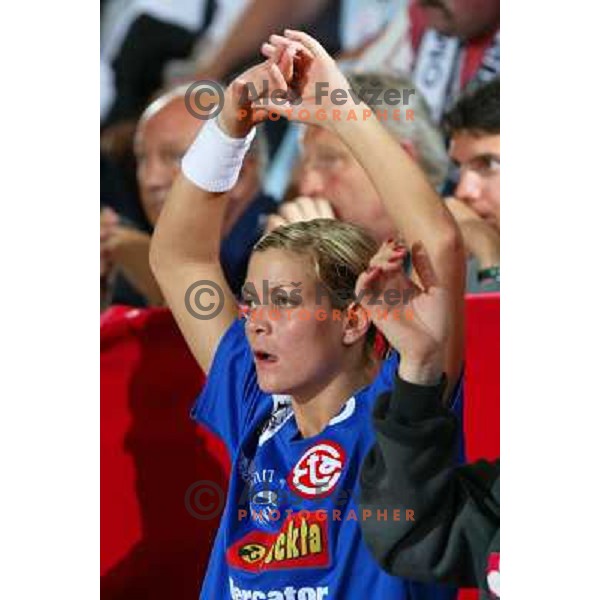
(264, 358)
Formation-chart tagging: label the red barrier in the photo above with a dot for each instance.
(482, 384)
(482, 377)
(152, 547)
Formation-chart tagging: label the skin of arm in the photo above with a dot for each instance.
(186, 242)
(185, 249)
(418, 213)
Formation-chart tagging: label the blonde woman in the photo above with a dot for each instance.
(291, 385)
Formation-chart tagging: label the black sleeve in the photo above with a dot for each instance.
(412, 467)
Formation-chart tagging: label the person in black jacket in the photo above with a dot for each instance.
(451, 533)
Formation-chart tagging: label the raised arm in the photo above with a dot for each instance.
(455, 510)
(419, 216)
(418, 213)
(186, 242)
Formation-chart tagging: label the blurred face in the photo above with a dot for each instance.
(160, 143)
(478, 157)
(463, 18)
(292, 355)
(330, 171)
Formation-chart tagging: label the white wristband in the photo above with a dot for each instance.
(214, 160)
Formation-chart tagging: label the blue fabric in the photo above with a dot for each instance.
(236, 248)
(266, 548)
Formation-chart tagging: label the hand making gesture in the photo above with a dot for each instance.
(415, 320)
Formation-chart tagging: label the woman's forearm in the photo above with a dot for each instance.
(417, 211)
(419, 215)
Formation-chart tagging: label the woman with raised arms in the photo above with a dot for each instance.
(292, 397)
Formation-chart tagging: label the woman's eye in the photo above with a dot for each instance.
(248, 303)
(281, 300)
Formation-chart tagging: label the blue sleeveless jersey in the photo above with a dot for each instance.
(290, 529)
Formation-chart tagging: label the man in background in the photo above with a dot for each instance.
(164, 132)
(474, 129)
(331, 183)
(445, 45)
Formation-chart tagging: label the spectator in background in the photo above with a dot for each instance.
(464, 19)
(332, 183)
(442, 45)
(445, 44)
(341, 25)
(474, 129)
(138, 37)
(460, 45)
(164, 133)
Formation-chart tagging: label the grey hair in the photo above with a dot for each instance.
(426, 138)
(162, 99)
(259, 148)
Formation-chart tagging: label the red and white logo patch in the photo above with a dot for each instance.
(318, 470)
(493, 574)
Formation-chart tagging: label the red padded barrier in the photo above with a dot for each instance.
(482, 377)
(482, 384)
(152, 453)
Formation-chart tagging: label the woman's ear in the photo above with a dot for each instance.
(356, 323)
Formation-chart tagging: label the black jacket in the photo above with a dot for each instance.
(455, 535)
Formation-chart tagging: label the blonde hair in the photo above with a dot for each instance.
(339, 252)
